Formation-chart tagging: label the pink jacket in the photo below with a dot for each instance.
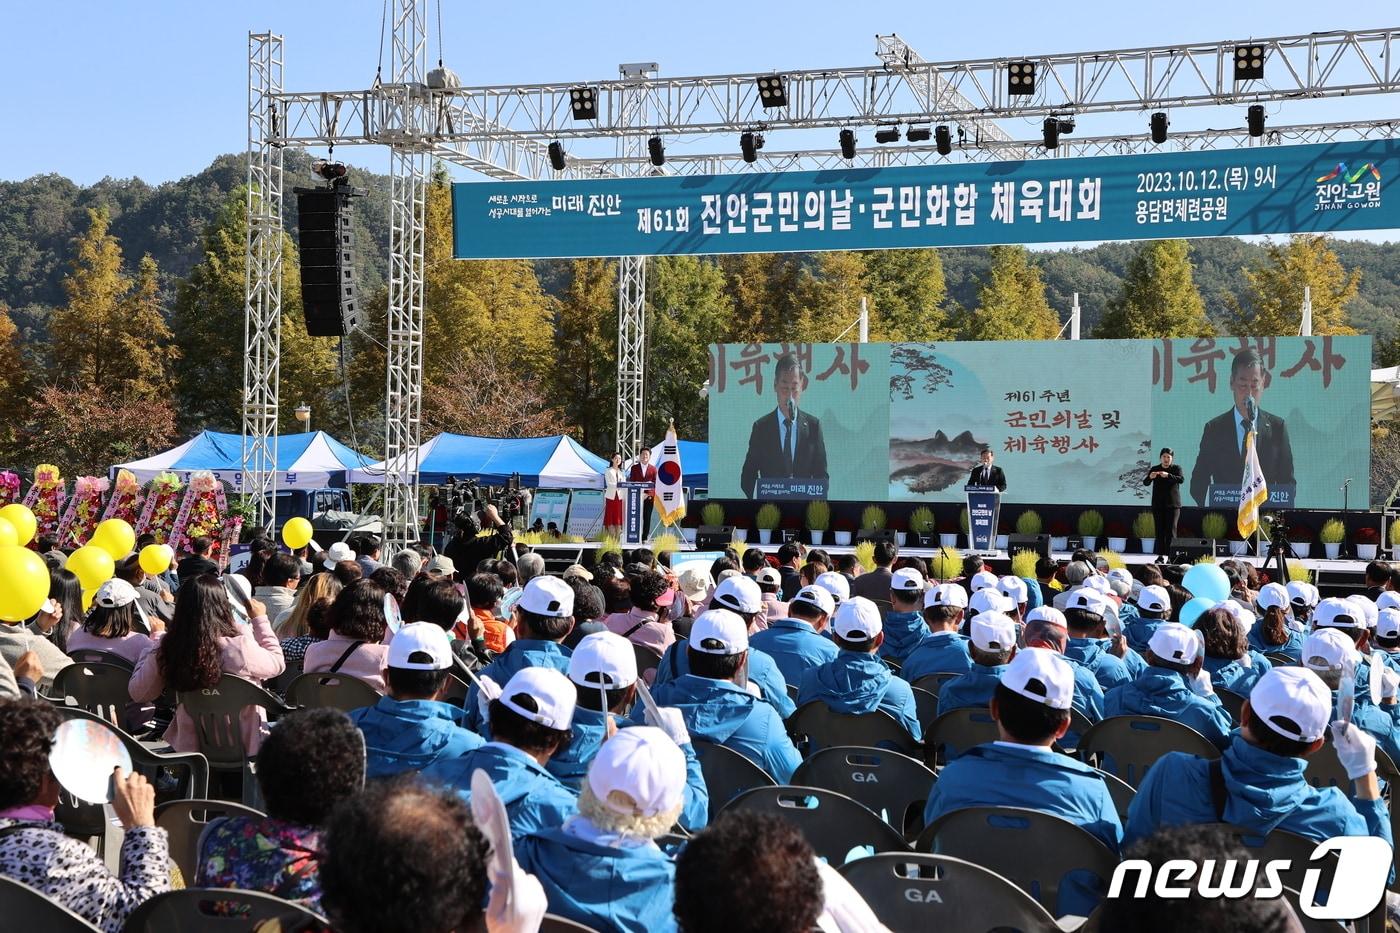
(130, 646)
(653, 633)
(254, 654)
(366, 662)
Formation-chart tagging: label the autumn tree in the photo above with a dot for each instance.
(14, 384)
(1159, 297)
(583, 377)
(908, 295)
(1273, 295)
(764, 290)
(1011, 303)
(480, 394)
(829, 296)
(85, 430)
(689, 310)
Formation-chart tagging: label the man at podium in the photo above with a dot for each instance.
(985, 474)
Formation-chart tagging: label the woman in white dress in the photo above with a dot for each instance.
(612, 497)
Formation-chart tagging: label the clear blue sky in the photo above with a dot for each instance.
(157, 88)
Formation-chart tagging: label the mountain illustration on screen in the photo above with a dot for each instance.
(933, 463)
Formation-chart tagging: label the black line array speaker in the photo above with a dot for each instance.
(327, 250)
(713, 537)
(1190, 550)
(1038, 543)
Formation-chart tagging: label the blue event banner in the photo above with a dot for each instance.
(1260, 190)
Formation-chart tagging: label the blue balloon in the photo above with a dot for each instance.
(1207, 581)
(1192, 610)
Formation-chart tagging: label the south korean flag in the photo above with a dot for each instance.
(670, 497)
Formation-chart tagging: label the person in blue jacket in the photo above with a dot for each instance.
(1258, 783)
(1229, 661)
(717, 701)
(798, 643)
(1086, 614)
(1154, 606)
(602, 867)
(857, 681)
(742, 596)
(1387, 636)
(603, 669)
(904, 627)
(411, 728)
(944, 651)
(993, 637)
(530, 721)
(1015, 589)
(544, 616)
(1326, 652)
(1031, 706)
(1172, 687)
(1045, 628)
(1275, 631)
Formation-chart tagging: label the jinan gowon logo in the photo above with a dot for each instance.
(1344, 188)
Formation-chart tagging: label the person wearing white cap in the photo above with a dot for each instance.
(836, 584)
(797, 643)
(1031, 705)
(1326, 652)
(412, 728)
(114, 623)
(337, 552)
(1367, 607)
(857, 681)
(945, 650)
(993, 637)
(770, 584)
(530, 721)
(716, 706)
(1165, 689)
(981, 580)
(602, 868)
(1154, 606)
(1303, 598)
(1387, 635)
(1257, 783)
(1014, 589)
(904, 626)
(543, 618)
(1390, 599)
(1087, 612)
(1273, 632)
(1045, 628)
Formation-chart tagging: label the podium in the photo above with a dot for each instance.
(983, 507)
(635, 496)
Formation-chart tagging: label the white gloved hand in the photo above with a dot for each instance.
(489, 690)
(517, 904)
(671, 722)
(1355, 749)
(1201, 685)
(1390, 680)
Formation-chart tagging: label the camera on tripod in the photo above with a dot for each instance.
(465, 500)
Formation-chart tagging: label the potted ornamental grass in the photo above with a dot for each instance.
(1059, 535)
(1029, 523)
(945, 565)
(1393, 536)
(843, 532)
(712, 513)
(921, 524)
(1117, 533)
(1332, 534)
(818, 520)
(1090, 527)
(1023, 563)
(1145, 530)
(1367, 541)
(872, 518)
(766, 520)
(1214, 526)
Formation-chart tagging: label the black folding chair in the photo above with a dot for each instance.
(1122, 793)
(727, 773)
(457, 690)
(96, 686)
(815, 726)
(914, 893)
(552, 923)
(894, 787)
(933, 683)
(98, 656)
(1127, 746)
(26, 909)
(184, 821)
(217, 712)
(1281, 660)
(1233, 703)
(835, 825)
(337, 691)
(961, 729)
(647, 659)
(212, 910)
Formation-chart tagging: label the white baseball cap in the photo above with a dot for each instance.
(983, 579)
(945, 594)
(1368, 608)
(1174, 642)
(993, 631)
(818, 596)
(540, 694)
(1014, 588)
(420, 646)
(638, 772)
(990, 599)
(1272, 596)
(1294, 702)
(441, 563)
(836, 584)
(1388, 623)
(857, 619)
(719, 631)
(114, 594)
(1047, 614)
(768, 576)
(1154, 598)
(738, 594)
(1327, 649)
(1338, 613)
(695, 580)
(547, 596)
(907, 580)
(1121, 575)
(1390, 599)
(603, 659)
(1091, 600)
(1041, 675)
(1302, 592)
(336, 553)
(1240, 614)
(1098, 583)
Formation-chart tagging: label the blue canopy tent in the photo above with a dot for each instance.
(308, 460)
(557, 462)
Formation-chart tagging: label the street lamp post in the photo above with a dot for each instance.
(303, 413)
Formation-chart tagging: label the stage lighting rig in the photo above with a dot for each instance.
(1020, 78)
(772, 91)
(1249, 62)
(556, 156)
(888, 134)
(1158, 125)
(848, 144)
(918, 134)
(1255, 119)
(749, 144)
(942, 139)
(657, 150)
(583, 101)
(330, 171)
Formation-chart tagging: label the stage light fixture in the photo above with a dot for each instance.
(943, 139)
(772, 91)
(749, 144)
(1255, 119)
(584, 103)
(848, 145)
(1249, 62)
(1159, 126)
(889, 134)
(330, 171)
(556, 155)
(657, 149)
(1050, 132)
(918, 134)
(1020, 78)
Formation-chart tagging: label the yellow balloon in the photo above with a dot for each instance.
(114, 536)
(296, 533)
(9, 536)
(92, 565)
(88, 596)
(154, 559)
(18, 514)
(24, 583)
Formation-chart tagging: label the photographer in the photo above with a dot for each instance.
(469, 547)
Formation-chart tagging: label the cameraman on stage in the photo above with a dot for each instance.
(468, 547)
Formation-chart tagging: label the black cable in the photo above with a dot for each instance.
(383, 22)
(439, 35)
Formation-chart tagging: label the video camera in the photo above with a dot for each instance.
(465, 500)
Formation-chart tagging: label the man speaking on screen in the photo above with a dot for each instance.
(1220, 461)
(787, 442)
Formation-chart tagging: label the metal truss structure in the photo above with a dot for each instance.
(503, 131)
